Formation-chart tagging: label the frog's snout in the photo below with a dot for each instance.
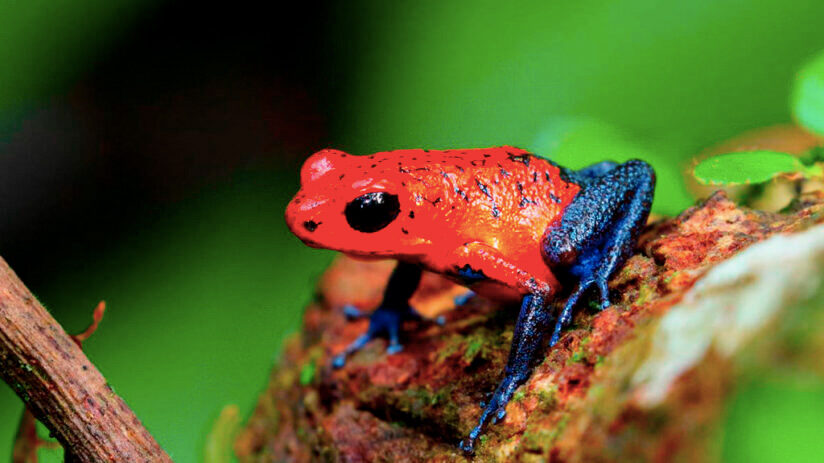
(303, 215)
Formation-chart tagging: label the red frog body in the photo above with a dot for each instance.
(482, 210)
(501, 221)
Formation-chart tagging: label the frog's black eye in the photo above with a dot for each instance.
(373, 211)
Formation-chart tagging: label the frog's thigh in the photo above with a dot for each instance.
(607, 213)
(476, 262)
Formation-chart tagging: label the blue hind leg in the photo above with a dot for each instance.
(532, 324)
(599, 230)
(595, 237)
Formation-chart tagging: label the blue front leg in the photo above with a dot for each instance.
(387, 319)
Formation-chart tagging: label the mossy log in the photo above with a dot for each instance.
(711, 295)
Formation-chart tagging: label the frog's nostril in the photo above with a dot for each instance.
(310, 225)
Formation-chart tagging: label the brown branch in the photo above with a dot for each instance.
(27, 441)
(61, 387)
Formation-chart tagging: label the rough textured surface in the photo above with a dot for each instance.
(61, 387)
(614, 388)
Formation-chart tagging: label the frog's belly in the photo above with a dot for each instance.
(496, 291)
(490, 289)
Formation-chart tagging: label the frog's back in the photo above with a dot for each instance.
(503, 197)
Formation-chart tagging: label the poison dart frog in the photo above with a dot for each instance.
(504, 222)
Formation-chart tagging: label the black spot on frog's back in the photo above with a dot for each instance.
(484, 189)
(522, 158)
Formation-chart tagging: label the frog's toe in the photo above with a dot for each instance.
(384, 321)
(393, 349)
(440, 320)
(467, 446)
(340, 360)
(462, 299)
(500, 415)
(395, 345)
(351, 312)
(603, 291)
(493, 411)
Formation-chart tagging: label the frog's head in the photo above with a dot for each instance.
(349, 203)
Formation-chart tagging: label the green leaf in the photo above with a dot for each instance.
(808, 95)
(745, 167)
(307, 373)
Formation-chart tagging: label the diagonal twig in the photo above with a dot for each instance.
(62, 388)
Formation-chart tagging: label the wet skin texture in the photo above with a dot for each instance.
(505, 223)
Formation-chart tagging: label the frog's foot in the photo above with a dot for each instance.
(494, 410)
(462, 299)
(600, 282)
(384, 321)
(353, 313)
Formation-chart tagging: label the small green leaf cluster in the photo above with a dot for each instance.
(754, 167)
(751, 167)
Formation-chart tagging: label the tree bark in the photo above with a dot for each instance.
(62, 388)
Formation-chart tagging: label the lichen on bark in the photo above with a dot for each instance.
(710, 294)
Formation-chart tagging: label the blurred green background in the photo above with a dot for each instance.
(148, 148)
